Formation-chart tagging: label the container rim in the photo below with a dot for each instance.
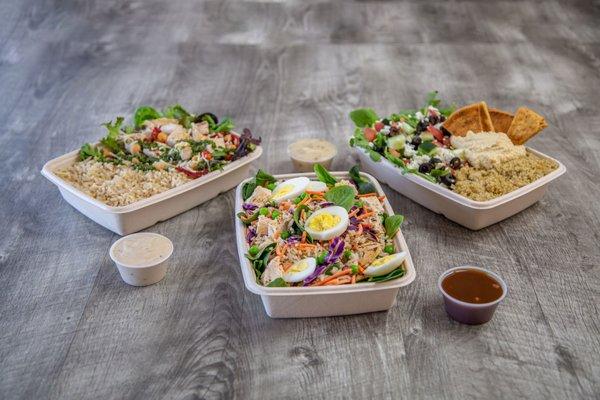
(49, 168)
(250, 278)
(494, 275)
(481, 205)
(111, 251)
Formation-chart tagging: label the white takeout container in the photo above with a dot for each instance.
(131, 218)
(321, 301)
(141, 274)
(466, 212)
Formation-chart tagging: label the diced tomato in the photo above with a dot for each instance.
(235, 139)
(370, 134)
(393, 152)
(436, 133)
(229, 157)
(207, 155)
(154, 134)
(379, 126)
(192, 174)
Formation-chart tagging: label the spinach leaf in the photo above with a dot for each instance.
(342, 196)
(246, 220)
(363, 185)
(248, 189)
(261, 259)
(225, 126)
(426, 148)
(324, 176)
(364, 117)
(144, 113)
(263, 179)
(279, 282)
(179, 113)
(397, 273)
(297, 213)
(436, 173)
(391, 224)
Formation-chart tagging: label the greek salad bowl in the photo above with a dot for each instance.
(320, 244)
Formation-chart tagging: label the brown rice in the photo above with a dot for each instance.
(119, 185)
(485, 184)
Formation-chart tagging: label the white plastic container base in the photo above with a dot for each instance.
(147, 212)
(142, 275)
(322, 301)
(468, 213)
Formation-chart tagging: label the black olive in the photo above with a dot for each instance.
(433, 120)
(445, 131)
(385, 121)
(394, 130)
(421, 126)
(455, 163)
(442, 118)
(448, 180)
(425, 168)
(200, 117)
(435, 161)
(416, 141)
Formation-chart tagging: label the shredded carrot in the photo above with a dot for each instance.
(366, 225)
(313, 192)
(381, 198)
(284, 205)
(360, 229)
(367, 215)
(303, 240)
(319, 198)
(334, 276)
(276, 234)
(367, 195)
(278, 250)
(361, 269)
(331, 282)
(353, 281)
(303, 214)
(287, 266)
(353, 213)
(305, 200)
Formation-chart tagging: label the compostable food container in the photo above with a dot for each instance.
(134, 217)
(466, 212)
(321, 301)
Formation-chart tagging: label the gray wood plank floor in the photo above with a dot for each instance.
(71, 329)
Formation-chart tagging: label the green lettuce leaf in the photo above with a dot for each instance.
(342, 196)
(364, 117)
(144, 113)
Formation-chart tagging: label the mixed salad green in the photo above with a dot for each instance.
(171, 139)
(413, 140)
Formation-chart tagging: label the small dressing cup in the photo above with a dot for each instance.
(471, 313)
(141, 272)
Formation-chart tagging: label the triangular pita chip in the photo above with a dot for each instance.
(526, 124)
(474, 117)
(501, 120)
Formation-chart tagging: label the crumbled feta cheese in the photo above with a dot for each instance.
(419, 115)
(409, 150)
(385, 130)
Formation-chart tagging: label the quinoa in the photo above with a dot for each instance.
(485, 184)
(119, 185)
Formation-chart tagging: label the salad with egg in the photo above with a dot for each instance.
(329, 231)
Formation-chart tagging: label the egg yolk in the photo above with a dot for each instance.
(299, 266)
(282, 191)
(324, 221)
(382, 260)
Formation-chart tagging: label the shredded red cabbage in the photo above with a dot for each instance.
(336, 249)
(245, 139)
(249, 207)
(250, 234)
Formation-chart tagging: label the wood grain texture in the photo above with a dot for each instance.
(71, 329)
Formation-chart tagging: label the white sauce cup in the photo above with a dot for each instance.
(142, 272)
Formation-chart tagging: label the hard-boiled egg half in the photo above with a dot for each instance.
(300, 270)
(290, 189)
(385, 265)
(327, 223)
(317, 186)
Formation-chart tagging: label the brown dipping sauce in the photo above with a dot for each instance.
(472, 286)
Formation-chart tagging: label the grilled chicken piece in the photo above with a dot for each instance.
(273, 271)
